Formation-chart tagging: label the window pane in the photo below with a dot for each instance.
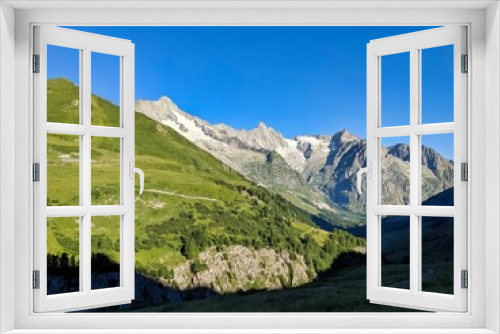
(437, 254)
(105, 171)
(105, 89)
(105, 252)
(437, 84)
(395, 89)
(63, 170)
(63, 252)
(395, 171)
(396, 252)
(63, 78)
(437, 170)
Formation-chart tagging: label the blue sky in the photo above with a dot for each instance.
(298, 80)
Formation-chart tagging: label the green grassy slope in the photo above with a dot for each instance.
(192, 201)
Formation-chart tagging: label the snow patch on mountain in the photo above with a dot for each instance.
(247, 151)
(229, 141)
(316, 170)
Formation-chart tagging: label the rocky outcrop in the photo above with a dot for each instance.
(239, 268)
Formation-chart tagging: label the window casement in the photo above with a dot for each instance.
(85, 209)
(416, 213)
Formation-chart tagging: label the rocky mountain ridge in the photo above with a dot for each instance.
(316, 172)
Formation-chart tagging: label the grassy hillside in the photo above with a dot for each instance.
(192, 202)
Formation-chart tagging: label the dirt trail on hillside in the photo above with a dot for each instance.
(171, 193)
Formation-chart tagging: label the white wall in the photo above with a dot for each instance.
(7, 163)
(492, 151)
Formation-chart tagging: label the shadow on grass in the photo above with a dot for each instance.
(342, 288)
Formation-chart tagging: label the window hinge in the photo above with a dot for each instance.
(465, 279)
(464, 171)
(36, 279)
(36, 172)
(465, 64)
(36, 63)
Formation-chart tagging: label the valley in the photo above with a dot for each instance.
(179, 237)
(231, 220)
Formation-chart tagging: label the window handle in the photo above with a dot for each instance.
(359, 174)
(134, 170)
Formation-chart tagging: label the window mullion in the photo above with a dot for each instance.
(80, 177)
(85, 162)
(418, 165)
(415, 247)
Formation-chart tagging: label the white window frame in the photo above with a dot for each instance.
(86, 44)
(484, 47)
(414, 43)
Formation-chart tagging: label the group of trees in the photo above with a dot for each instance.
(64, 265)
(63, 272)
(264, 220)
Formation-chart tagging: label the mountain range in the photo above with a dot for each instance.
(315, 172)
(200, 226)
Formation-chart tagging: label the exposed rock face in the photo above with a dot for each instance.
(337, 175)
(262, 138)
(400, 151)
(240, 268)
(316, 172)
(245, 151)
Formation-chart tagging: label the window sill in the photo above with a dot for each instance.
(252, 331)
